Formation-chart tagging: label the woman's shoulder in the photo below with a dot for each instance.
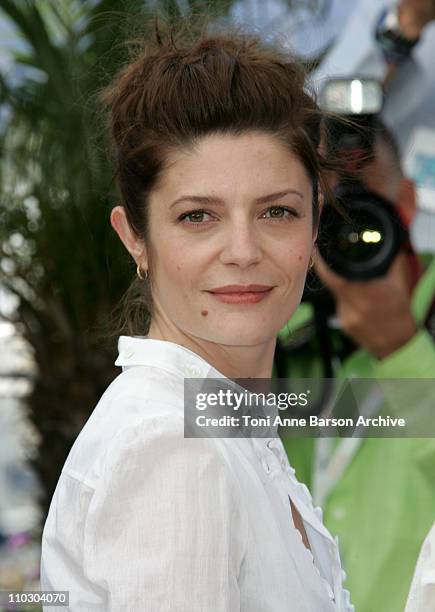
(142, 391)
(149, 447)
(139, 404)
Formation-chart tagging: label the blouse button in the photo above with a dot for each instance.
(266, 466)
(306, 492)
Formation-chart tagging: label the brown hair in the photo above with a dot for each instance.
(178, 90)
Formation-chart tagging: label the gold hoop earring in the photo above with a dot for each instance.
(143, 275)
(311, 264)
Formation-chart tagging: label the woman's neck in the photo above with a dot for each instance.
(233, 361)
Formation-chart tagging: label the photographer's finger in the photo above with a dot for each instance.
(399, 272)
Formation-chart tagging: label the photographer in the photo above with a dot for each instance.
(378, 495)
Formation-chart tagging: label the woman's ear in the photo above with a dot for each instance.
(132, 243)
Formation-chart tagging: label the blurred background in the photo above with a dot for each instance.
(62, 269)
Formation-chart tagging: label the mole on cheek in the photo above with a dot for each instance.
(300, 257)
(204, 313)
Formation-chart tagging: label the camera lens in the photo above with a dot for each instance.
(363, 246)
(364, 238)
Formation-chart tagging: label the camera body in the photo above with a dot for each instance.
(362, 246)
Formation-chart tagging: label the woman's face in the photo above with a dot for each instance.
(230, 238)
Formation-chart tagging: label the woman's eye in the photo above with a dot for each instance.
(195, 216)
(279, 212)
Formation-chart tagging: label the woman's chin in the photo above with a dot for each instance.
(248, 331)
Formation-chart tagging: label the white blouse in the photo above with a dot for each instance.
(421, 596)
(145, 519)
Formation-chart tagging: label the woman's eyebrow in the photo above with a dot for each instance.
(279, 194)
(214, 200)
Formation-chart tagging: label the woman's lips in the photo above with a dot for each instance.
(235, 295)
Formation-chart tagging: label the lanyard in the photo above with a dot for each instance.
(332, 457)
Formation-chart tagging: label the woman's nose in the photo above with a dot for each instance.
(241, 245)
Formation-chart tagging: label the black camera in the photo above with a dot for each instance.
(362, 243)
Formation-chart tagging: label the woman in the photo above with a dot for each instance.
(219, 172)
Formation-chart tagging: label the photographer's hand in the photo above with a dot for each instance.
(414, 15)
(376, 314)
(399, 30)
